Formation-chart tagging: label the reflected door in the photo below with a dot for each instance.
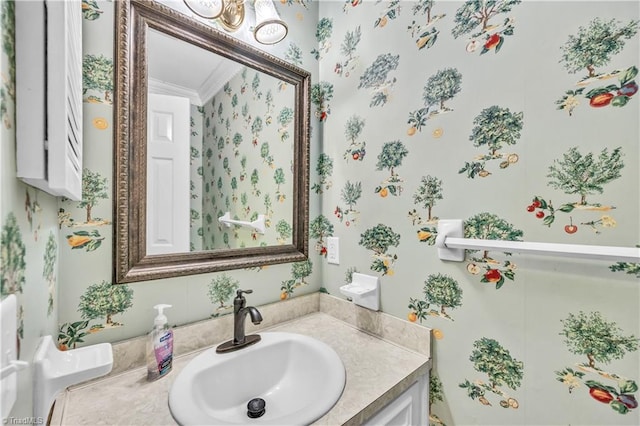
(167, 174)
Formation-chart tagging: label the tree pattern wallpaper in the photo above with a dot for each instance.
(463, 117)
(421, 110)
(196, 171)
(246, 168)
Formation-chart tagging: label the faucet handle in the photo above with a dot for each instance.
(239, 293)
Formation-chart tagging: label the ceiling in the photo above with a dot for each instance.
(183, 69)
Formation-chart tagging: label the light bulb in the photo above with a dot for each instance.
(269, 29)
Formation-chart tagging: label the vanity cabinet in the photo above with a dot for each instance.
(408, 409)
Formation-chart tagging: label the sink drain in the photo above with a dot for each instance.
(256, 408)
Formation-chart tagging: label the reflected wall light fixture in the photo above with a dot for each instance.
(269, 28)
(208, 9)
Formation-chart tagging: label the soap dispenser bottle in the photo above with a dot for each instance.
(159, 346)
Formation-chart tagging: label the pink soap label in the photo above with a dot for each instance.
(164, 353)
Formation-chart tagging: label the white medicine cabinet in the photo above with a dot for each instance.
(49, 95)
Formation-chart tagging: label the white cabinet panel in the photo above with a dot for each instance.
(49, 95)
(409, 409)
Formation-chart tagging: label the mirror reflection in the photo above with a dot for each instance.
(207, 127)
(219, 141)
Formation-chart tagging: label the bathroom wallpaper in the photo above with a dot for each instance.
(29, 236)
(247, 164)
(519, 118)
(195, 180)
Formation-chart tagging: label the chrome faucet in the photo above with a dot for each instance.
(240, 311)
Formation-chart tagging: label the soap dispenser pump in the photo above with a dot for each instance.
(159, 346)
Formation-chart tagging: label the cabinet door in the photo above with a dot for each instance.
(409, 409)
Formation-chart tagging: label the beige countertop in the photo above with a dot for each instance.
(377, 371)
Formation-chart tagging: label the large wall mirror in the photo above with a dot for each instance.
(207, 127)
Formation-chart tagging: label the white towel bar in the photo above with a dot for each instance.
(451, 246)
(258, 224)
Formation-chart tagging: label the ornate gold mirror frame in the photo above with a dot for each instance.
(131, 263)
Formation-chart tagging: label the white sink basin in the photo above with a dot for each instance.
(298, 377)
